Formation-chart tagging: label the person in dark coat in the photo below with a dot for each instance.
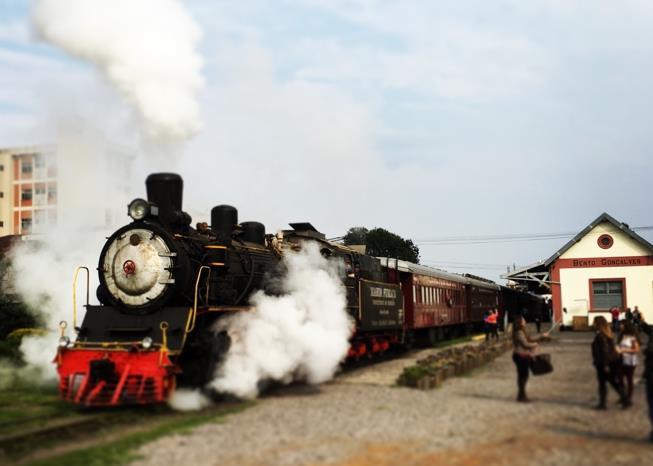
(648, 367)
(629, 315)
(606, 361)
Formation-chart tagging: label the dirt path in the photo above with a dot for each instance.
(362, 419)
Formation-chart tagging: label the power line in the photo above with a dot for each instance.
(505, 238)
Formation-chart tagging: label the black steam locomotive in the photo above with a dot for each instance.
(162, 285)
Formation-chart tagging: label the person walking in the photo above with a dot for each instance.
(606, 361)
(628, 346)
(648, 368)
(523, 349)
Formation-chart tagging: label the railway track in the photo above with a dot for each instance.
(40, 437)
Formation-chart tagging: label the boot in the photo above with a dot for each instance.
(521, 393)
(603, 395)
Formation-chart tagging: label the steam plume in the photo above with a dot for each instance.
(301, 335)
(146, 48)
(42, 270)
(188, 400)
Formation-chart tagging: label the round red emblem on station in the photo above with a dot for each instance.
(605, 241)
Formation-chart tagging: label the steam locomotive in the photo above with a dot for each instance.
(163, 284)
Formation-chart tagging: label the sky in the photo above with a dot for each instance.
(428, 118)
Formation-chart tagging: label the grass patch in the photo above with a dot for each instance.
(19, 404)
(121, 451)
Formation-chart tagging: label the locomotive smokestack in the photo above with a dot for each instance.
(166, 191)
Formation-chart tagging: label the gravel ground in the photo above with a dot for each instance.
(362, 419)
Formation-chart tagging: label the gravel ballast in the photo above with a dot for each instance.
(362, 418)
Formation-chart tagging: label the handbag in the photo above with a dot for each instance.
(541, 364)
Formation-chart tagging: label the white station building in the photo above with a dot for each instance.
(605, 265)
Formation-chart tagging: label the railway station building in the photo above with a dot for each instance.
(607, 264)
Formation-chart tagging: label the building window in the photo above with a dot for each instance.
(605, 241)
(26, 224)
(26, 166)
(2, 194)
(39, 161)
(607, 293)
(2, 224)
(26, 194)
(2, 168)
(52, 193)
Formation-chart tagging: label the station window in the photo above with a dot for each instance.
(607, 294)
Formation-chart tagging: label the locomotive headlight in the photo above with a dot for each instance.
(146, 343)
(64, 342)
(138, 209)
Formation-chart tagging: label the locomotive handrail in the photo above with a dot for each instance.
(193, 316)
(88, 278)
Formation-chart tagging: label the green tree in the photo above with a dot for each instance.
(13, 314)
(381, 242)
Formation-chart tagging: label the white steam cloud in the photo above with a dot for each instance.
(90, 171)
(188, 400)
(302, 335)
(147, 50)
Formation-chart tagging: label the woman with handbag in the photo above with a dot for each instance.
(606, 361)
(523, 349)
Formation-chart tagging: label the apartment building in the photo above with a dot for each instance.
(28, 189)
(44, 185)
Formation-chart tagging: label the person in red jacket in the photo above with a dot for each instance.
(614, 312)
(493, 324)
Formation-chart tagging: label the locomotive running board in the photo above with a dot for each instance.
(226, 309)
(101, 322)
